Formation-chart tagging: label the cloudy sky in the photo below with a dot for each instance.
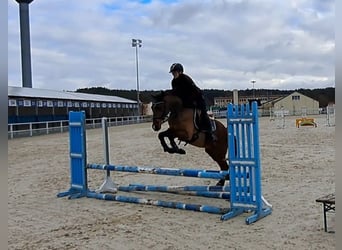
(222, 44)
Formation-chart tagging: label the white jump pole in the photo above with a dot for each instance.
(108, 185)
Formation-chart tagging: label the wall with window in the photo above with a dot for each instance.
(22, 110)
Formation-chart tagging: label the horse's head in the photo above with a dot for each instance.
(160, 110)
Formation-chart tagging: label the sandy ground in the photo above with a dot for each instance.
(297, 167)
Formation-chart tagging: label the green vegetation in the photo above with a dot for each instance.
(324, 96)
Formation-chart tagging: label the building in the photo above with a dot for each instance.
(298, 104)
(36, 105)
(222, 102)
(294, 104)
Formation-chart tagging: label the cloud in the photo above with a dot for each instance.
(222, 44)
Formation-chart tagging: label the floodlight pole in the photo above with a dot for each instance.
(137, 43)
(253, 81)
(25, 43)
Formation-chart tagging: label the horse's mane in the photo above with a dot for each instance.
(160, 96)
(175, 102)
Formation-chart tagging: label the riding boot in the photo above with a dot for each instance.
(210, 135)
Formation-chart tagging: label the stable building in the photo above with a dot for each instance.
(37, 105)
(294, 104)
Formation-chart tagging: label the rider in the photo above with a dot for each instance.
(185, 88)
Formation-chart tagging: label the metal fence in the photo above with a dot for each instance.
(270, 112)
(16, 130)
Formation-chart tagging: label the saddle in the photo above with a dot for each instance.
(198, 121)
(198, 124)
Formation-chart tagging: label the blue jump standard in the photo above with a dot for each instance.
(244, 191)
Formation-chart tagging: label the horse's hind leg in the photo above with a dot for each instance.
(219, 156)
(224, 166)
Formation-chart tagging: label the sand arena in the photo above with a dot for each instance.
(298, 166)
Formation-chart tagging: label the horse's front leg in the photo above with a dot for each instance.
(162, 136)
(174, 148)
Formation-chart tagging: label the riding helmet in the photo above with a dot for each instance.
(176, 67)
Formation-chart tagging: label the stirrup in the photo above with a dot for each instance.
(211, 136)
(214, 137)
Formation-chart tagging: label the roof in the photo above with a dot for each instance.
(66, 95)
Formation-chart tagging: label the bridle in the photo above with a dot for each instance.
(164, 116)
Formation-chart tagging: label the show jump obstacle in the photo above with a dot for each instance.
(305, 121)
(244, 190)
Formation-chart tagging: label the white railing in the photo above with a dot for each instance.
(40, 128)
(219, 113)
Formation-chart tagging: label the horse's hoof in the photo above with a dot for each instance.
(220, 183)
(181, 151)
(170, 151)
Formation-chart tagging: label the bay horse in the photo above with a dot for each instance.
(183, 124)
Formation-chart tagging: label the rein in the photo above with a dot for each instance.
(164, 116)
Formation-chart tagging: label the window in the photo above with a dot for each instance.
(295, 98)
(12, 103)
(27, 103)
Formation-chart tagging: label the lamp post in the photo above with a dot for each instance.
(137, 43)
(253, 81)
(25, 43)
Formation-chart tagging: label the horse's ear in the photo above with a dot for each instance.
(155, 96)
(168, 92)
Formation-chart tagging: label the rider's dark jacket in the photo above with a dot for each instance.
(185, 88)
